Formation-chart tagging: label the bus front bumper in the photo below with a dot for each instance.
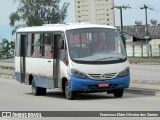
(82, 85)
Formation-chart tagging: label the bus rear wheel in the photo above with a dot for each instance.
(118, 93)
(37, 90)
(70, 95)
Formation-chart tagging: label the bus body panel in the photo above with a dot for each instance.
(41, 70)
(17, 64)
(36, 66)
(17, 69)
(87, 84)
(64, 69)
(78, 84)
(39, 67)
(101, 68)
(44, 82)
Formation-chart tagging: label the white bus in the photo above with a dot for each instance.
(76, 58)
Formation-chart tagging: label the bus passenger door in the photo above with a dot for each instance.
(56, 61)
(23, 43)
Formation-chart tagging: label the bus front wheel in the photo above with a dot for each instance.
(37, 90)
(118, 93)
(70, 95)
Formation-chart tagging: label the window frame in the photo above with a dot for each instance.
(41, 45)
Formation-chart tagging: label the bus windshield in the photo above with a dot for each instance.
(95, 45)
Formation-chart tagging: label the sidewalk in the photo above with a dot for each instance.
(6, 65)
(151, 61)
(136, 86)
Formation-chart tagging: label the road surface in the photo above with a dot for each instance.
(17, 97)
(145, 72)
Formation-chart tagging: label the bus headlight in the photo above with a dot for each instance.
(124, 72)
(78, 74)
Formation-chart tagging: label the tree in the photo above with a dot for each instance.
(38, 12)
(6, 46)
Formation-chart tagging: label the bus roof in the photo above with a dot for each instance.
(61, 27)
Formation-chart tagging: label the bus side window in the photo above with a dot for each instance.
(17, 48)
(48, 45)
(37, 48)
(62, 48)
(29, 46)
(32, 47)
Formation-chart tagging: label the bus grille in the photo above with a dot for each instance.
(108, 76)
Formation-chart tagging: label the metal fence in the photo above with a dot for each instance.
(143, 50)
(6, 56)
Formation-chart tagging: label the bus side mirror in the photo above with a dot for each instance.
(61, 44)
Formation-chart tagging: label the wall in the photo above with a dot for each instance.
(143, 50)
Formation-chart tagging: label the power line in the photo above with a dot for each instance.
(152, 8)
(146, 7)
(156, 10)
(121, 16)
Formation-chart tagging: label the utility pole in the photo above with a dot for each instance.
(121, 19)
(121, 14)
(146, 7)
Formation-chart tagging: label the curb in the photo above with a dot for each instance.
(143, 91)
(7, 67)
(4, 75)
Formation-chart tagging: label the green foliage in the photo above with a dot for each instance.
(14, 17)
(6, 45)
(38, 12)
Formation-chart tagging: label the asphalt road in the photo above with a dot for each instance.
(18, 97)
(145, 72)
(14, 96)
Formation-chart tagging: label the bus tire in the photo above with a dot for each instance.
(70, 95)
(42, 91)
(37, 90)
(118, 93)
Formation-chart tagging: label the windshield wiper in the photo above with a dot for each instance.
(110, 57)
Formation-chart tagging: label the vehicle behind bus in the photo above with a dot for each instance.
(77, 58)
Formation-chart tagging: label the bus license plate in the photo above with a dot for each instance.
(103, 85)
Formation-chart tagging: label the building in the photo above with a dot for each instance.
(95, 11)
(143, 45)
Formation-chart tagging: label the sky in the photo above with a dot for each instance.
(129, 15)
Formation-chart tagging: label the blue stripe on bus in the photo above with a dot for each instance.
(44, 82)
(18, 77)
(40, 81)
(78, 84)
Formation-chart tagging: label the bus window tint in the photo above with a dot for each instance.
(37, 41)
(98, 44)
(38, 38)
(29, 45)
(17, 53)
(48, 45)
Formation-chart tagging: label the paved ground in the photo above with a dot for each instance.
(153, 60)
(15, 96)
(145, 72)
(145, 76)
